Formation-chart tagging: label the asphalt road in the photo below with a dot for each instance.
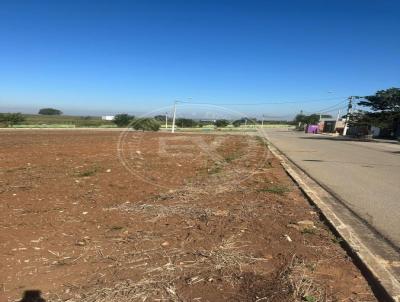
(364, 175)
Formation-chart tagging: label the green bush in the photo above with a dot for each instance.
(186, 123)
(237, 123)
(123, 120)
(221, 123)
(146, 124)
(10, 119)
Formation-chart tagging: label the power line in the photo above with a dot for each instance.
(279, 116)
(326, 109)
(333, 109)
(314, 112)
(264, 103)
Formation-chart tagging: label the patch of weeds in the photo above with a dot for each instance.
(311, 266)
(308, 231)
(268, 164)
(232, 156)
(300, 282)
(16, 169)
(260, 140)
(215, 169)
(89, 172)
(279, 190)
(116, 228)
(337, 240)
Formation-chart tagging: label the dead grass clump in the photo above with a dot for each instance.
(158, 284)
(294, 283)
(161, 211)
(298, 278)
(144, 290)
(226, 259)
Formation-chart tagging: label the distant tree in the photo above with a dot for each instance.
(146, 124)
(123, 119)
(237, 123)
(358, 118)
(50, 111)
(160, 118)
(311, 119)
(221, 123)
(245, 120)
(383, 109)
(12, 118)
(252, 121)
(186, 123)
(276, 122)
(299, 118)
(384, 101)
(299, 121)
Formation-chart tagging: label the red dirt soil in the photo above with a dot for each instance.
(85, 217)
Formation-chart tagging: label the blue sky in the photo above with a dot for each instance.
(94, 57)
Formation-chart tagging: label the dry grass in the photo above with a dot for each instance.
(298, 279)
(130, 291)
(159, 284)
(161, 211)
(226, 259)
(279, 190)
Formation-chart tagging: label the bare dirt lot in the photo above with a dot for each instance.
(87, 217)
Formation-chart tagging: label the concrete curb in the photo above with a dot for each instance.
(379, 260)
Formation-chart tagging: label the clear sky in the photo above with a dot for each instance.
(134, 56)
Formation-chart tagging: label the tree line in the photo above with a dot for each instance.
(10, 119)
(312, 119)
(124, 120)
(382, 109)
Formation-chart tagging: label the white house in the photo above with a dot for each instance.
(108, 117)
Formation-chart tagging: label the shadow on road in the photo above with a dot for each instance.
(365, 165)
(350, 139)
(336, 138)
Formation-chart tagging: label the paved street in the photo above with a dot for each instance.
(365, 175)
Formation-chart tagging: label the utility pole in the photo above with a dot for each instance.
(173, 118)
(166, 120)
(301, 113)
(262, 121)
(346, 123)
(338, 115)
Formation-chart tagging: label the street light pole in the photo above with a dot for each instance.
(173, 118)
